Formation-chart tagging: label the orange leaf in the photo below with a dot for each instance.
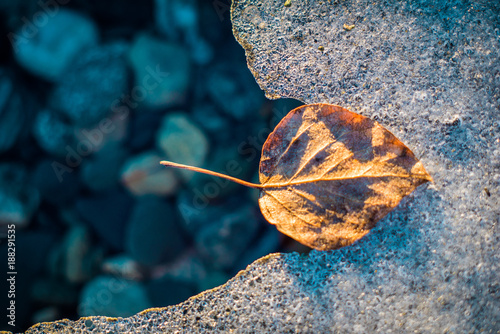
(328, 175)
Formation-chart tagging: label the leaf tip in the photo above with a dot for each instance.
(419, 171)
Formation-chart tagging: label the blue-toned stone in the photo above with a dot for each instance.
(47, 46)
(102, 171)
(268, 242)
(112, 297)
(12, 119)
(123, 266)
(142, 174)
(215, 122)
(166, 291)
(58, 184)
(32, 249)
(153, 233)
(138, 139)
(106, 213)
(55, 135)
(19, 200)
(182, 141)
(213, 279)
(54, 291)
(162, 72)
(222, 241)
(179, 19)
(235, 91)
(93, 86)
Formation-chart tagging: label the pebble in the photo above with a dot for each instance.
(281, 108)
(178, 19)
(142, 174)
(188, 267)
(213, 279)
(101, 172)
(162, 72)
(32, 248)
(112, 297)
(11, 119)
(213, 121)
(55, 135)
(76, 258)
(94, 85)
(197, 211)
(138, 139)
(123, 266)
(182, 141)
(153, 234)
(54, 184)
(226, 160)
(175, 16)
(48, 44)
(226, 236)
(81, 258)
(46, 314)
(268, 242)
(107, 214)
(54, 291)
(235, 91)
(110, 130)
(166, 291)
(19, 200)
(194, 210)
(119, 16)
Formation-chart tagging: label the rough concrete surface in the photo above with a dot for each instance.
(429, 71)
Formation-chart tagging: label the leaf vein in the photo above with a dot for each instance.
(289, 210)
(309, 159)
(308, 199)
(341, 179)
(287, 149)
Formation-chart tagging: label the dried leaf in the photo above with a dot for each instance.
(328, 175)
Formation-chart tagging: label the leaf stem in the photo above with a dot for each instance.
(209, 172)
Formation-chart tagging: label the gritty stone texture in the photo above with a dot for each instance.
(408, 54)
(431, 265)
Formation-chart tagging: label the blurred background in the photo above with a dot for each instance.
(93, 94)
